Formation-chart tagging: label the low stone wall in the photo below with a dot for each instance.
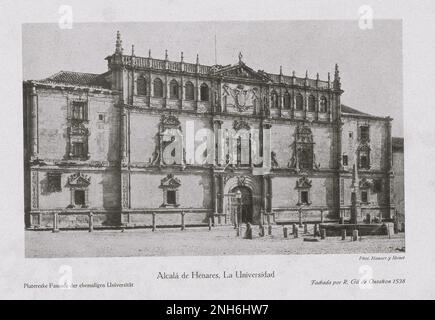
(294, 215)
(114, 219)
(335, 229)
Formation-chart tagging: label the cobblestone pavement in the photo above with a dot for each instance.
(194, 241)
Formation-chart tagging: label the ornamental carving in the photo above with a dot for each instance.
(170, 182)
(241, 181)
(79, 180)
(78, 129)
(169, 122)
(303, 183)
(365, 184)
(242, 97)
(241, 124)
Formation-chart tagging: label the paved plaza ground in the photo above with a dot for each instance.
(194, 241)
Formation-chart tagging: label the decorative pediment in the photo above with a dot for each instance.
(364, 147)
(170, 182)
(78, 129)
(241, 70)
(304, 134)
(303, 183)
(365, 184)
(169, 121)
(79, 180)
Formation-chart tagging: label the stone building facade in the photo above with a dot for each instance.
(269, 148)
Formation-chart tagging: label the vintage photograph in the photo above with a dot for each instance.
(213, 138)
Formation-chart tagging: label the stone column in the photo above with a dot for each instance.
(215, 190)
(220, 194)
(389, 176)
(33, 122)
(355, 211)
(123, 135)
(264, 194)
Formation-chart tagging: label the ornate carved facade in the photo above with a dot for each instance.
(157, 136)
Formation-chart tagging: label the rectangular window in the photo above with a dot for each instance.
(364, 162)
(78, 150)
(364, 197)
(78, 110)
(304, 197)
(79, 197)
(101, 117)
(345, 160)
(171, 197)
(306, 157)
(54, 181)
(364, 133)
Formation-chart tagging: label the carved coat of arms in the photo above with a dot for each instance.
(243, 97)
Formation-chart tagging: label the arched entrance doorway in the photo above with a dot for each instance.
(243, 210)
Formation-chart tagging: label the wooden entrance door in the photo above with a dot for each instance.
(244, 205)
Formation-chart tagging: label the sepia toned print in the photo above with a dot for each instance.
(178, 153)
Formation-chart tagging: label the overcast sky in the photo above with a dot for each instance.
(370, 60)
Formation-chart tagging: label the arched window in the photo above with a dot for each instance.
(299, 102)
(323, 105)
(274, 100)
(286, 100)
(141, 86)
(204, 92)
(173, 89)
(158, 88)
(190, 91)
(311, 104)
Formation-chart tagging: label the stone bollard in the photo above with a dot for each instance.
(285, 231)
(315, 232)
(343, 234)
(91, 221)
(269, 230)
(182, 221)
(209, 223)
(55, 222)
(323, 234)
(154, 221)
(305, 228)
(248, 233)
(261, 233)
(355, 235)
(295, 232)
